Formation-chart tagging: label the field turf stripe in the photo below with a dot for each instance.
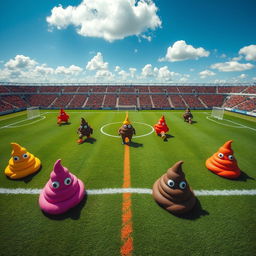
(127, 229)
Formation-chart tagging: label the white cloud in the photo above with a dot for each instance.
(223, 56)
(161, 74)
(20, 62)
(97, 63)
(44, 70)
(71, 70)
(132, 72)
(242, 76)
(117, 69)
(254, 78)
(111, 20)
(249, 52)
(147, 71)
(237, 58)
(105, 74)
(206, 73)
(231, 66)
(180, 51)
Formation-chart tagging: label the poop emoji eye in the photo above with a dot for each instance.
(85, 126)
(125, 126)
(231, 157)
(220, 155)
(182, 184)
(55, 184)
(163, 123)
(129, 126)
(159, 122)
(16, 158)
(67, 181)
(171, 183)
(25, 155)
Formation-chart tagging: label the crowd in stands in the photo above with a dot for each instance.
(78, 96)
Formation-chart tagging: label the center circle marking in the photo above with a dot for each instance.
(115, 136)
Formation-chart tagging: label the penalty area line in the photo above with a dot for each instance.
(109, 191)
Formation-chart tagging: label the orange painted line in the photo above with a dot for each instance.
(127, 229)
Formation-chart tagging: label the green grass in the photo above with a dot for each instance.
(222, 225)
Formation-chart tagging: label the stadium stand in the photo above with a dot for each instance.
(14, 97)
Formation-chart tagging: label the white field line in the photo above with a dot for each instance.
(238, 125)
(12, 125)
(108, 191)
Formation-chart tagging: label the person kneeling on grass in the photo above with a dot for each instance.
(84, 130)
(188, 116)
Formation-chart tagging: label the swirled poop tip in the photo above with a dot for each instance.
(126, 120)
(62, 192)
(22, 163)
(223, 162)
(161, 126)
(172, 192)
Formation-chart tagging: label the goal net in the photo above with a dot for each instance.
(33, 112)
(126, 107)
(217, 113)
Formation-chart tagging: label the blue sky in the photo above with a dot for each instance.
(128, 41)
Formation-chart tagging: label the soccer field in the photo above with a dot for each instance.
(223, 221)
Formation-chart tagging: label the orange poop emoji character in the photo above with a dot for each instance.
(161, 128)
(223, 162)
(22, 163)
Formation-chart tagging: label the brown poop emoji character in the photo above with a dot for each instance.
(172, 192)
(84, 130)
(126, 130)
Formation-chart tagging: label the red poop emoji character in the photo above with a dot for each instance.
(63, 117)
(161, 128)
(223, 162)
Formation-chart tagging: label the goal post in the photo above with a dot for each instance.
(127, 107)
(33, 112)
(217, 112)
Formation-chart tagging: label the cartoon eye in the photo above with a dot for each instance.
(129, 126)
(85, 126)
(159, 122)
(163, 123)
(231, 157)
(125, 126)
(171, 183)
(16, 158)
(67, 181)
(25, 155)
(55, 184)
(220, 155)
(182, 184)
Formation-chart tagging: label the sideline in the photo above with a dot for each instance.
(110, 191)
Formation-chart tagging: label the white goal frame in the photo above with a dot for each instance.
(217, 112)
(127, 107)
(33, 112)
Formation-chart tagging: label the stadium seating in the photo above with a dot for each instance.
(110, 101)
(62, 101)
(161, 101)
(14, 97)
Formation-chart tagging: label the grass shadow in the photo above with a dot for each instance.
(90, 140)
(244, 177)
(195, 213)
(73, 213)
(168, 136)
(28, 178)
(68, 123)
(135, 144)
